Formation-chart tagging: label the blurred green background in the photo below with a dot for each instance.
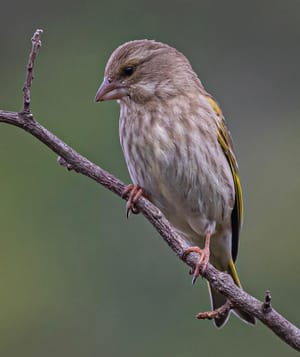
(77, 278)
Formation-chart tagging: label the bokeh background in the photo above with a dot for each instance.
(78, 279)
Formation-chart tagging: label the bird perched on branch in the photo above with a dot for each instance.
(178, 152)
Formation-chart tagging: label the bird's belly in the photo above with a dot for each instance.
(191, 195)
(185, 175)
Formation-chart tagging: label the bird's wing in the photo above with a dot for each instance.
(224, 138)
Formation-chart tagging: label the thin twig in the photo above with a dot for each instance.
(36, 44)
(219, 312)
(221, 282)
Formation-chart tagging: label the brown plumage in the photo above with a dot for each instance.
(178, 151)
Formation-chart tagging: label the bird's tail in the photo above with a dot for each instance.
(217, 300)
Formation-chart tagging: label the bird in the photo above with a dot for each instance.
(179, 153)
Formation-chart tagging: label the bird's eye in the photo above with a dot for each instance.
(128, 71)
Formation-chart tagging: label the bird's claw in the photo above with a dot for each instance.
(203, 259)
(135, 192)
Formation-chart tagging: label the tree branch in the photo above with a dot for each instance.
(69, 158)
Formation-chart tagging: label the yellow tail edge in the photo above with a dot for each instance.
(234, 274)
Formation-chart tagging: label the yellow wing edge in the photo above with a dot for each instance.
(225, 141)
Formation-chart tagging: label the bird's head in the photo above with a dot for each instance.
(143, 70)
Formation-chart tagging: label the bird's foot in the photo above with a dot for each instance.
(201, 263)
(215, 314)
(203, 259)
(134, 193)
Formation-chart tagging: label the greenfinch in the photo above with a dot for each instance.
(179, 153)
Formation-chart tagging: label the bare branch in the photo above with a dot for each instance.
(72, 160)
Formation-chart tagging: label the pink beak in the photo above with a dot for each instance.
(110, 89)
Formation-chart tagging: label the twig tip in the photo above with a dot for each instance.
(267, 307)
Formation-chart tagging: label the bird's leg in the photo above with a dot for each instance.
(203, 257)
(135, 192)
